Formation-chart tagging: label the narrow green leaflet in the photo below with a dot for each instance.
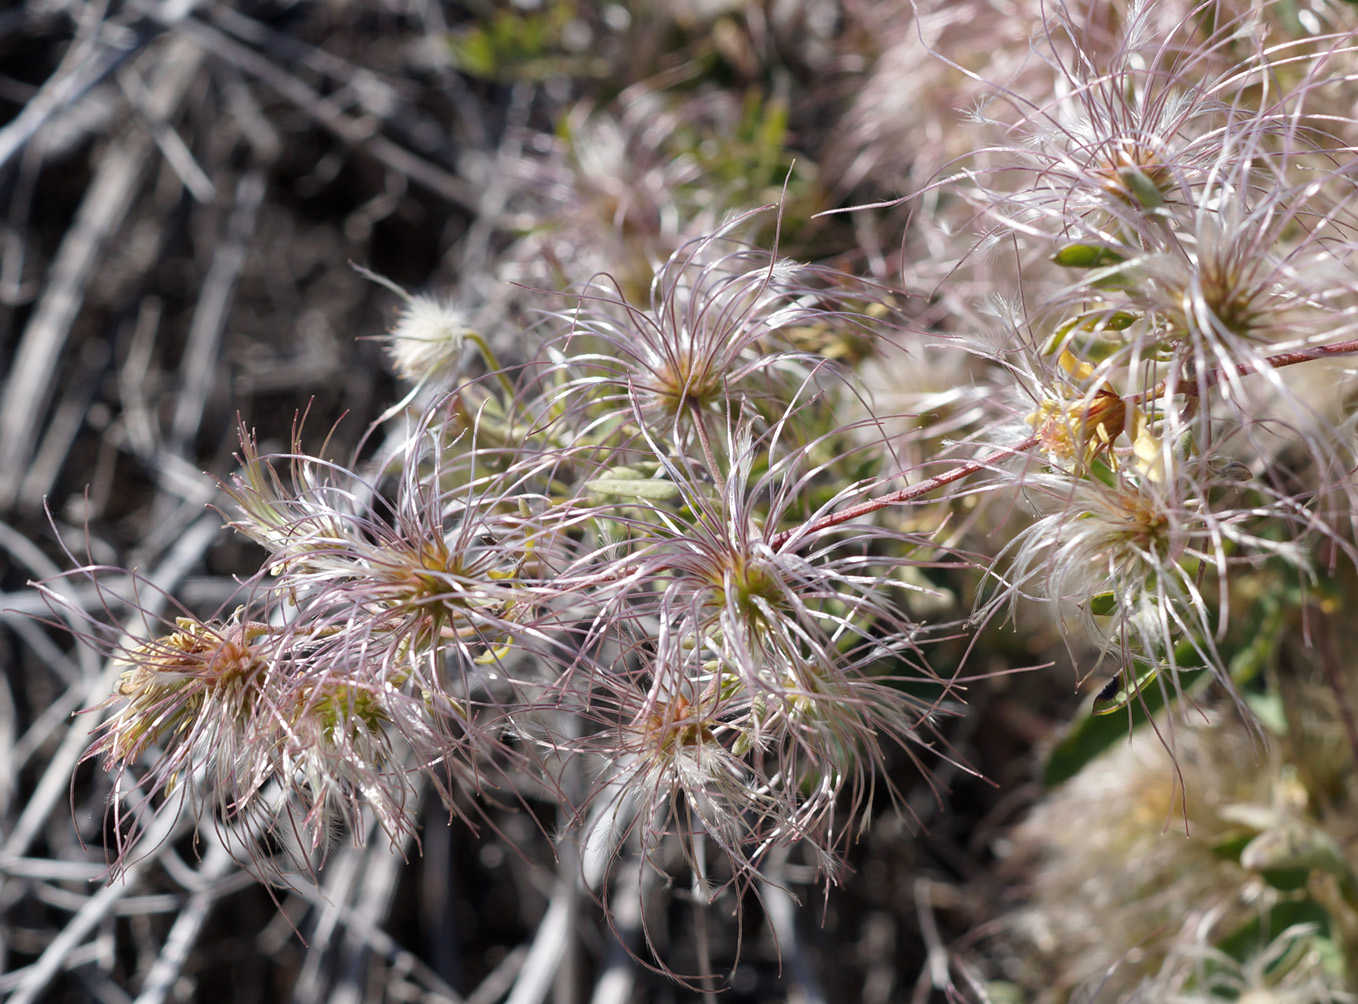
(628, 482)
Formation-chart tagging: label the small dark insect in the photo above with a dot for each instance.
(1109, 689)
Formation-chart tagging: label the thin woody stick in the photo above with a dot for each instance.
(1193, 388)
(779, 540)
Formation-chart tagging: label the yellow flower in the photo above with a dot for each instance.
(1073, 434)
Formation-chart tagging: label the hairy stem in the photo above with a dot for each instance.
(1194, 388)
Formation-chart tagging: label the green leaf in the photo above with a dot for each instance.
(1094, 322)
(1118, 320)
(1089, 735)
(1244, 942)
(1086, 256)
(1102, 604)
(530, 45)
(627, 483)
(1269, 708)
(1228, 848)
(1286, 879)
(473, 54)
(1295, 846)
(1118, 694)
(1143, 189)
(1004, 992)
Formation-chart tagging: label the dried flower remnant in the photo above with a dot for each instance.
(344, 750)
(1229, 229)
(193, 692)
(1256, 264)
(682, 765)
(390, 607)
(231, 714)
(685, 761)
(457, 563)
(787, 667)
(622, 188)
(601, 195)
(1249, 896)
(195, 708)
(709, 343)
(1146, 559)
(297, 524)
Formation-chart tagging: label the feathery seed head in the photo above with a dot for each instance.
(427, 343)
(200, 676)
(339, 751)
(711, 342)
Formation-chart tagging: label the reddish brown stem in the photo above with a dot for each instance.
(779, 540)
(1192, 388)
